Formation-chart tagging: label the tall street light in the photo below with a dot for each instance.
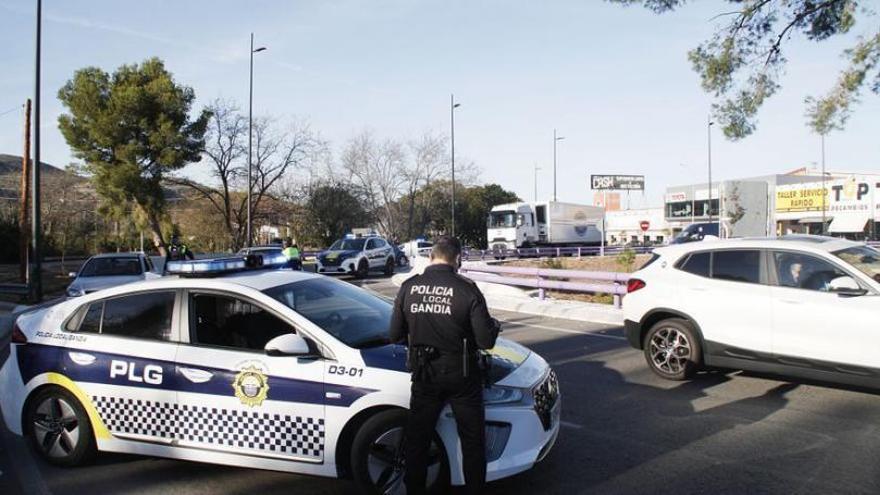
(556, 139)
(251, 138)
(709, 125)
(35, 278)
(452, 106)
(536, 181)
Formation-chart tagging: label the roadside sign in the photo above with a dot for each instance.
(645, 225)
(618, 182)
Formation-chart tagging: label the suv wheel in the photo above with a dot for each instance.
(389, 267)
(672, 349)
(377, 457)
(59, 429)
(363, 269)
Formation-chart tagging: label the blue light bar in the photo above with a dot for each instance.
(220, 266)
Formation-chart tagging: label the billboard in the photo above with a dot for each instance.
(617, 182)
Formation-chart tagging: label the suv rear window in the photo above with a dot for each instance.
(740, 265)
(697, 264)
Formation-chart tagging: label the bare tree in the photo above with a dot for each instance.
(379, 173)
(275, 153)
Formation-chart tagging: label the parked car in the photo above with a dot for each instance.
(109, 270)
(357, 256)
(804, 306)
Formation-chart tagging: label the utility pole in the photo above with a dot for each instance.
(36, 282)
(24, 236)
(709, 124)
(555, 140)
(452, 106)
(536, 181)
(824, 192)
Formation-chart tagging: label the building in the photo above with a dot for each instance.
(638, 225)
(781, 204)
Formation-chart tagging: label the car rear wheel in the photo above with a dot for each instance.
(389, 267)
(377, 456)
(672, 349)
(59, 429)
(363, 269)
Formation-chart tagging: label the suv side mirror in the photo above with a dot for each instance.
(846, 286)
(289, 344)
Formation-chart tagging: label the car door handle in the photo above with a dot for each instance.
(789, 301)
(196, 376)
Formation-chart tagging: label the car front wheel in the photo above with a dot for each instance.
(389, 267)
(363, 269)
(377, 456)
(59, 429)
(672, 349)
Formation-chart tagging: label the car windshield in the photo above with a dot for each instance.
(350, 314)
(502, 219)
(863, 258)
(348, 245)
(108, 267)
(696, 232)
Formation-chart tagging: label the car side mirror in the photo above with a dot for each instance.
(289, 344)
(71, 275)
(846, 286)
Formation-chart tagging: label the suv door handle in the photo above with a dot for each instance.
(195, 375)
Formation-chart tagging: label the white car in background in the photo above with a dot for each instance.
(103, 271)
(804, 306)
(358, 256)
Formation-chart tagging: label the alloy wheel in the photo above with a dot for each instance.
(56, 427)
(387, 466)
(670, 350)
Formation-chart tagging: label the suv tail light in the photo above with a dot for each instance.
(634, 284)
(18, 336)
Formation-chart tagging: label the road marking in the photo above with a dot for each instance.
(563, 330)
(568, 424)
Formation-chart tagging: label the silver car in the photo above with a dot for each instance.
(109, 270)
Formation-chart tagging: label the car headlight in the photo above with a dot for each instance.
(502, 395)
(74, 291)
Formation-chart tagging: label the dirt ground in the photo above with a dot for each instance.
(586, 263)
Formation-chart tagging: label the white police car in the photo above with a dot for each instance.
(357, 256)
(271, 369)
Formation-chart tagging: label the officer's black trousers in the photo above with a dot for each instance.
(465, 395)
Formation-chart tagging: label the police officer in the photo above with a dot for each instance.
(444, 319)
(178, 251)
(291, 252)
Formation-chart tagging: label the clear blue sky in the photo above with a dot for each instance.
(614, 81)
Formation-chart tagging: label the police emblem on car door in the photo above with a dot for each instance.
(234, 397)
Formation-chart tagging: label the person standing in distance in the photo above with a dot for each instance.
(444, 320)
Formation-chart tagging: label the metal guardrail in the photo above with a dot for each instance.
(547, 252)
(548, 279)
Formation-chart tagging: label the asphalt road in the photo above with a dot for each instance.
(624, 431)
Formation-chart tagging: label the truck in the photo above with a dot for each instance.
(544, 224)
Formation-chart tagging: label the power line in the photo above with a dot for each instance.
(11, 110)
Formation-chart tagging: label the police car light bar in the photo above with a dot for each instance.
(219, 266)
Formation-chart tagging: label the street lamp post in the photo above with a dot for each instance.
(36, 268)
(555, 140)
(709, 125)
(250, 139)
(536, 181)
(452, 106)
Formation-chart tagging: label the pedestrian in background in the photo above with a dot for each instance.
(291, 252)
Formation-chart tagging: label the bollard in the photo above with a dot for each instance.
(557, 253)
(602, 251)
(618, 303)
(579, 253)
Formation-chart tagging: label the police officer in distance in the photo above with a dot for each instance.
(443, 318)
(177, 251)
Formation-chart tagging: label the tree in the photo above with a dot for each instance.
(131, 129)
(331, 211)
(742, 62)
(474, 207)
(276, 152)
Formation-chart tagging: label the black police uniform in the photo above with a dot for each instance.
(444, 318)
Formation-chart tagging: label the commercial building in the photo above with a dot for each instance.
(642, 225)
(789, 203)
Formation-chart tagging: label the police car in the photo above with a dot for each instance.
(269, 369)
(354, 255)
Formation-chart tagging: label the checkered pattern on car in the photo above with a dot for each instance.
(254, 430)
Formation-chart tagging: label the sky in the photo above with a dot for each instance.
(614, 81)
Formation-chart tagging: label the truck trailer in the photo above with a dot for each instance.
(544, 224)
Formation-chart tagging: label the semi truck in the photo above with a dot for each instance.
(544, 224)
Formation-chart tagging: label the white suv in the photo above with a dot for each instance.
(804, 306)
